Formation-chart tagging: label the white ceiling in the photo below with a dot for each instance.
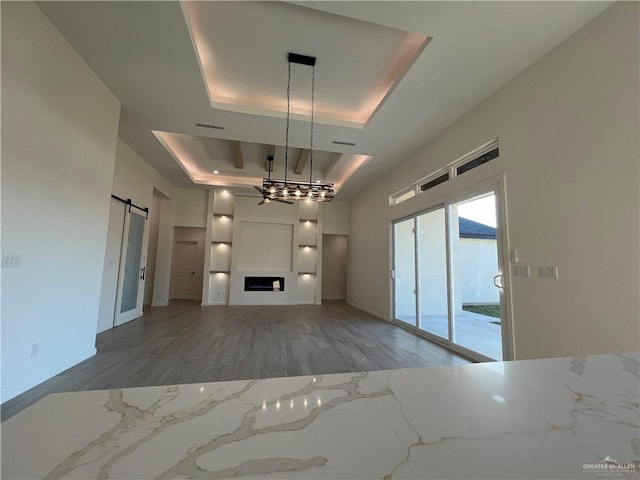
(144, 53)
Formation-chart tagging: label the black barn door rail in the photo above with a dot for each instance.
(131, 204)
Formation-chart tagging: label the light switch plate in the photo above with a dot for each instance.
(521, 271)
(548, 272)
(10, 260)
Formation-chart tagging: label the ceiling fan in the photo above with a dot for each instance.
(266, 196)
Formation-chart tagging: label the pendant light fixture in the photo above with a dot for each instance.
(285, 189)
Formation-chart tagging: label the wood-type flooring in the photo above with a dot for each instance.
(188, 343)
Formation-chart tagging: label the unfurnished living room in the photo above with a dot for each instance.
(330, 240)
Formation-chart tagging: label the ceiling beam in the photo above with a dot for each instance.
(303, 158)
(236, 154)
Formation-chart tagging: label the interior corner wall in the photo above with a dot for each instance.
(154, 227)
(335, 218)
(59, 132)
(133, 178)
(568, 132)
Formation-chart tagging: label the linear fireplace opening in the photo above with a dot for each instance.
(264, 284)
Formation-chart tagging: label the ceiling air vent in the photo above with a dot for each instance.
(204, 125)
(349, 144)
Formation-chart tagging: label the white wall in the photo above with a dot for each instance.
(191, 207)
(111, 267)
(59, 132)
(335, 217)
(568, 131)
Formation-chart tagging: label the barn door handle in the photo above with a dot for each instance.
(142, 272)
(193, 273)
(497, 281)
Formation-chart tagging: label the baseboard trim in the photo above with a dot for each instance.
(260, 304)
(334, 298)
(160, 304)
(25, 385)
(370, 312)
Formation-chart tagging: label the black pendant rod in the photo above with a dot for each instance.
(131, 204)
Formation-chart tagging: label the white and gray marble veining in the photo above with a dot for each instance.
(550, 418)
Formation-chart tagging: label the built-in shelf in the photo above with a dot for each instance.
(221, 242)
(228, 215)
(219, 271)
(306, 273)
(304, 245)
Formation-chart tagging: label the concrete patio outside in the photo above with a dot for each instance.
(473, 331)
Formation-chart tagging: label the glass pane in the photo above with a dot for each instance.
(404, 266)
(432, 265)
(132, 263)
(476, 300)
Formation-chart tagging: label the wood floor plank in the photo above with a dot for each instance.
(187, 343)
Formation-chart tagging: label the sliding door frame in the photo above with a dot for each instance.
(497, 184)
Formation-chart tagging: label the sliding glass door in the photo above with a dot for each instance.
(474, 264)
(433, 301)
(447, 274)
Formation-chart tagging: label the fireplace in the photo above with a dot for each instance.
(264, 284)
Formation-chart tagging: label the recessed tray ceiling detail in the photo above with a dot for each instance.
(229, 163)
(358, 65)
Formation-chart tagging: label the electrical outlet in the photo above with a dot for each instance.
(548, 272)
(521, 271)
(35, 349)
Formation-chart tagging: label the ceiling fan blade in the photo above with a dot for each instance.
(282, 201)
(262, 202)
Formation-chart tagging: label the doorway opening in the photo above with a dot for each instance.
(188, 263)
(334, 267)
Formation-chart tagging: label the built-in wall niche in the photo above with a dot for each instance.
(307, 233)
(264, 247)
(223, 202)
(307, 259)
(222, 228)
(306, 288)
(308, 210)
(220, 257)
(219, 288)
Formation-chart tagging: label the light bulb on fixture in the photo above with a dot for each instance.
(297, 192)
(285, 192)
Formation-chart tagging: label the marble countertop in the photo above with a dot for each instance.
(552, 418)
